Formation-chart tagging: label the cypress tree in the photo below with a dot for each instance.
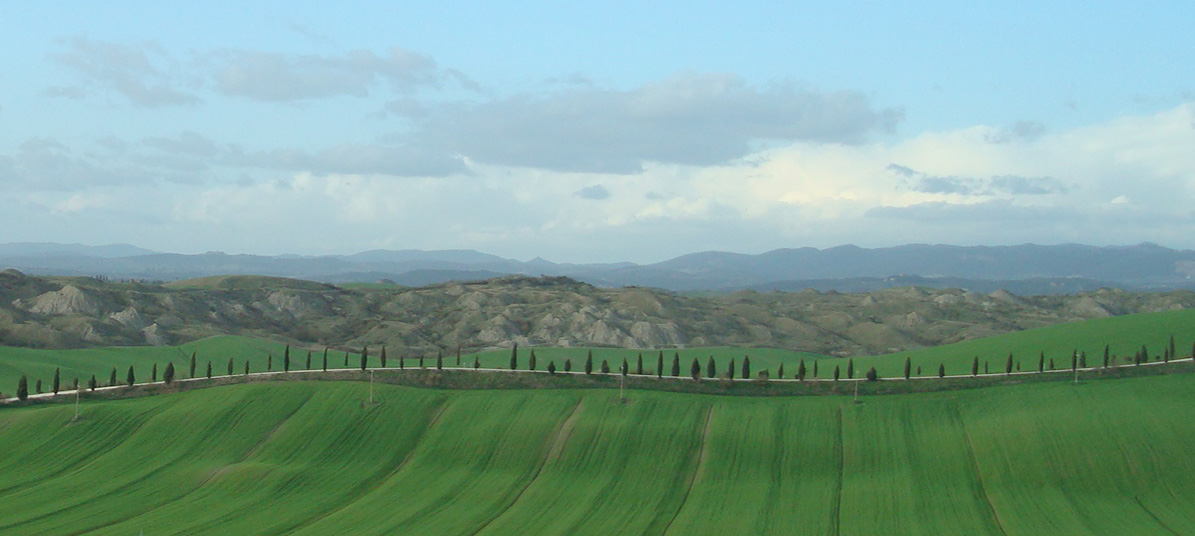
(1041, 362)
(730, 371)
(514, 357)
(800, 370)
(985, 367)
(941, 370)
(626, 368)
(192, 365)
(153, 374)
(710, 368)
(476, 362)
(1106, 356)
(1051, 363)
(92, 384)
(132, 378)
(568, 365)
(23, 388)
(1144, 355)
(639, 367)
(605, 367)
(1008, 365)
(551, 367)
(918, 370)
(835, 372)
(871, 375)
(37, 387)
(695, 369)
(246, 367)
(57, 382)
(230, 366)
(1074, 360)
(167, 375)
(326, 360)
(383, 357)
(908, 366)
(780, 371)
(531, 360)
(308, 367)
(1172, 347)
(209, 370)
(1083, 359)
(439, 360)
(850, 369)
(975, 366)
(420, 360)
(589, 362)
(676, 364)
(285, 361)
(746, 367)
(660, 365)
(111, 380)
(401, 359)
(815, 369)
(76, 384)
(346, 360)
(364, 357)
(458, 356)
(269, 362)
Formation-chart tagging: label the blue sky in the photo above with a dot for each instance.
(596, 131)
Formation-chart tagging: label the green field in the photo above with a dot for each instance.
(83, 363)
(1105, 457)
(761, 358)
(1123, 334)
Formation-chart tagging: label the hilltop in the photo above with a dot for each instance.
(75, 312)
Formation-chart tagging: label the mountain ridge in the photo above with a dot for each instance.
(1144, 266)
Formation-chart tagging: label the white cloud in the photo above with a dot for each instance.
(687, 119)
(142, 74)
(269, 76)
(1061, 186)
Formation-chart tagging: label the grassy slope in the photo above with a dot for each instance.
(81, 364)
(761, 358)
(1106, 457)
(1124, 335)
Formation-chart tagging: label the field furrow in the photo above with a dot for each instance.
(1105, 457)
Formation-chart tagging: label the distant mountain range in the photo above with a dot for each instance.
(1023, 269)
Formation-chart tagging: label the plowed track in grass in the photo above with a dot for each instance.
(1106, 457)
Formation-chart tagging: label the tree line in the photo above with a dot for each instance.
(731, 370)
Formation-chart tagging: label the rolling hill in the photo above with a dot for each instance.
(1105, 457)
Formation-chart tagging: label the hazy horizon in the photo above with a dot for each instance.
(596, 133)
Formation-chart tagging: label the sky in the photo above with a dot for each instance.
(598, 131)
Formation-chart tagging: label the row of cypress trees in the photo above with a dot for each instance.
(1078, 361)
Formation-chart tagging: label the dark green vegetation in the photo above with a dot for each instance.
(1104, 457)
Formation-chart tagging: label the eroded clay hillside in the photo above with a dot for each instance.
(79, 312)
